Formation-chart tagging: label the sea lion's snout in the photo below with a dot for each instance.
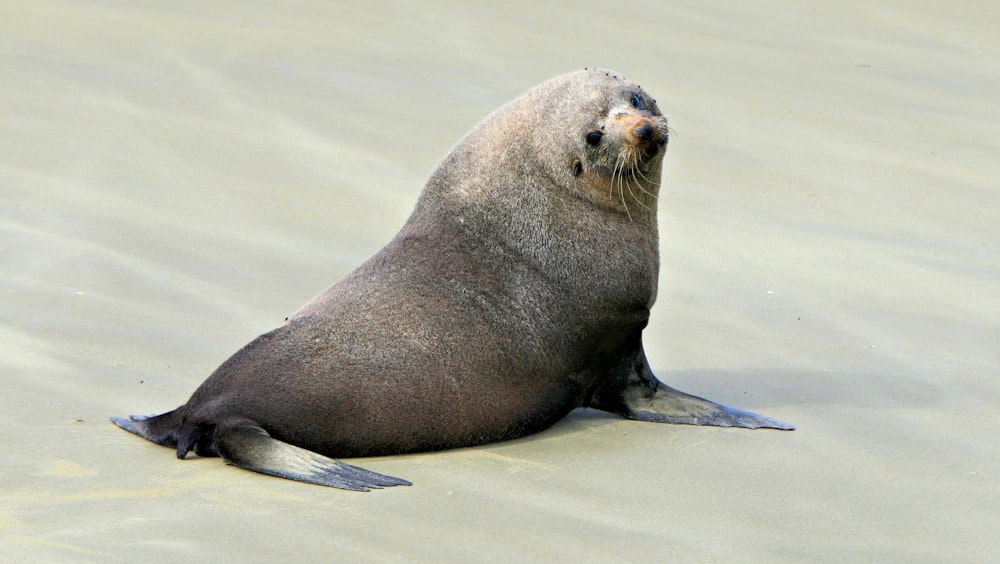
(644, 132)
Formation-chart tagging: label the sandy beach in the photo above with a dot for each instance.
(176, 178)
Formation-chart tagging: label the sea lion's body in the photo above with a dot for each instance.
(516, 292)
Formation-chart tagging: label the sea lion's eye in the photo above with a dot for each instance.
(594, 137)
(638, 103)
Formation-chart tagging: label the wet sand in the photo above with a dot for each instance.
(177, 179)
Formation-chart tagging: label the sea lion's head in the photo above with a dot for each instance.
(590, 134)
(609, 142)
(620, 141)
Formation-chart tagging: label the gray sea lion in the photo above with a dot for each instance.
(516, 292)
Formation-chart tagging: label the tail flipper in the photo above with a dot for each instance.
(247, 445)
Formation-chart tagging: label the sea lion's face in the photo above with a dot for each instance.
(590, 133)
(619, 147)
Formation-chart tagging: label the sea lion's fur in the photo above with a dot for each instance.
(516, 292)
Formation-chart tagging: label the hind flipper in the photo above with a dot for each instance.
(635, 393)
(247, 445)
(134, 424)
(161, 429)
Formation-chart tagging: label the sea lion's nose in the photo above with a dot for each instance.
(644, 132)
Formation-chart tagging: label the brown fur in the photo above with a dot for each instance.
(516, 292)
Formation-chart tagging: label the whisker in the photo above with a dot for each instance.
(638, 185)
(616, 172)
(621, 184)
(637, 170)
(627, 175)
(611, 184)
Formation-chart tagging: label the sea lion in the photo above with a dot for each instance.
(516, 292)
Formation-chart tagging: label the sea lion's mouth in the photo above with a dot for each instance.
(653, 149)
(647, 151)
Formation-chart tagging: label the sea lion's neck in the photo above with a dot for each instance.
(590, 252)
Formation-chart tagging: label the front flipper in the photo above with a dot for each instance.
(635, 393)
(667, 405)
(247, 445)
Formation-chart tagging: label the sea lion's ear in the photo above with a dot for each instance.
(577, 167)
